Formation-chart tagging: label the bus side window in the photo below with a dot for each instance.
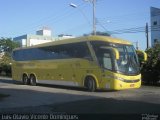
(107, 63)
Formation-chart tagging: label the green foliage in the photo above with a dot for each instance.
(7, 45)
(151, 69)
(6, 48)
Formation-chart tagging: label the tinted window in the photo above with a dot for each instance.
(73, 50)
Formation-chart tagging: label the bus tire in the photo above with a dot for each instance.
(33, 80)
(25, 79)
(90, 84)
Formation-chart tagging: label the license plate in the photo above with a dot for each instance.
(131, 85)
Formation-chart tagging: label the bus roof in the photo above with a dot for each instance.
(81, 39)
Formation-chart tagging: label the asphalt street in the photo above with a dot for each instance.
(51, 98)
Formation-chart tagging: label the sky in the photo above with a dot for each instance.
(19, 17)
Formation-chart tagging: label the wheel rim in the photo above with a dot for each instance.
(90, 85)
(33, 80)
(25, 79)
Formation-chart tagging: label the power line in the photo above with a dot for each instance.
(54, 18)
(134, 30)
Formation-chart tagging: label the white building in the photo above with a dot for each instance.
(42, 36)
(44, 32)
(155, 25)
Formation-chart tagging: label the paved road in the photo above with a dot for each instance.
(40, 99)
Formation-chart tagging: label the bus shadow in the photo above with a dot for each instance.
(9, 81)
(6, 80)
(63, 87)
(103, 90)
(73, 88)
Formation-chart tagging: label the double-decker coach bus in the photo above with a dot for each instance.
(93, 62)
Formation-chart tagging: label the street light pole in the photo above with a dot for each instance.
(94, 13)
(81, 11)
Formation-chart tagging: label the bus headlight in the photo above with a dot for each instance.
(127, 81)
(119, 78)
(122, 79)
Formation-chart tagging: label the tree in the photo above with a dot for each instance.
(7, 45)
(6, 48)
(151, 69)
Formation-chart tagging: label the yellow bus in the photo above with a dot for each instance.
(93, 62)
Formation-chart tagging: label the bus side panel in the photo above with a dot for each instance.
(52, 70)
(17, 70)
(83, 68)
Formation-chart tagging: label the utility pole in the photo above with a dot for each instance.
(94, 14)
(137, 45)
(94, 19)
(147, 40)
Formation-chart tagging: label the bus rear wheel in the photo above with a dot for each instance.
(25, 79)
(33, 80)
(90, 84)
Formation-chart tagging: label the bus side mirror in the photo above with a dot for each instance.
(142, 56)
(116, 53)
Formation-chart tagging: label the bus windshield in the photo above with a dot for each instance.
(126, 64)
(128, 61)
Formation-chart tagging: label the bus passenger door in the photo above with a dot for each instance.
(106, 62)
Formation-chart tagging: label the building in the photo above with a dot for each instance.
(42, 36)
(155, 25)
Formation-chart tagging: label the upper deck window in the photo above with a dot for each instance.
(65, 51)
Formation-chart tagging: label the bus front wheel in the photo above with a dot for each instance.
(25, 79)
(33, 80)
(90, 84)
